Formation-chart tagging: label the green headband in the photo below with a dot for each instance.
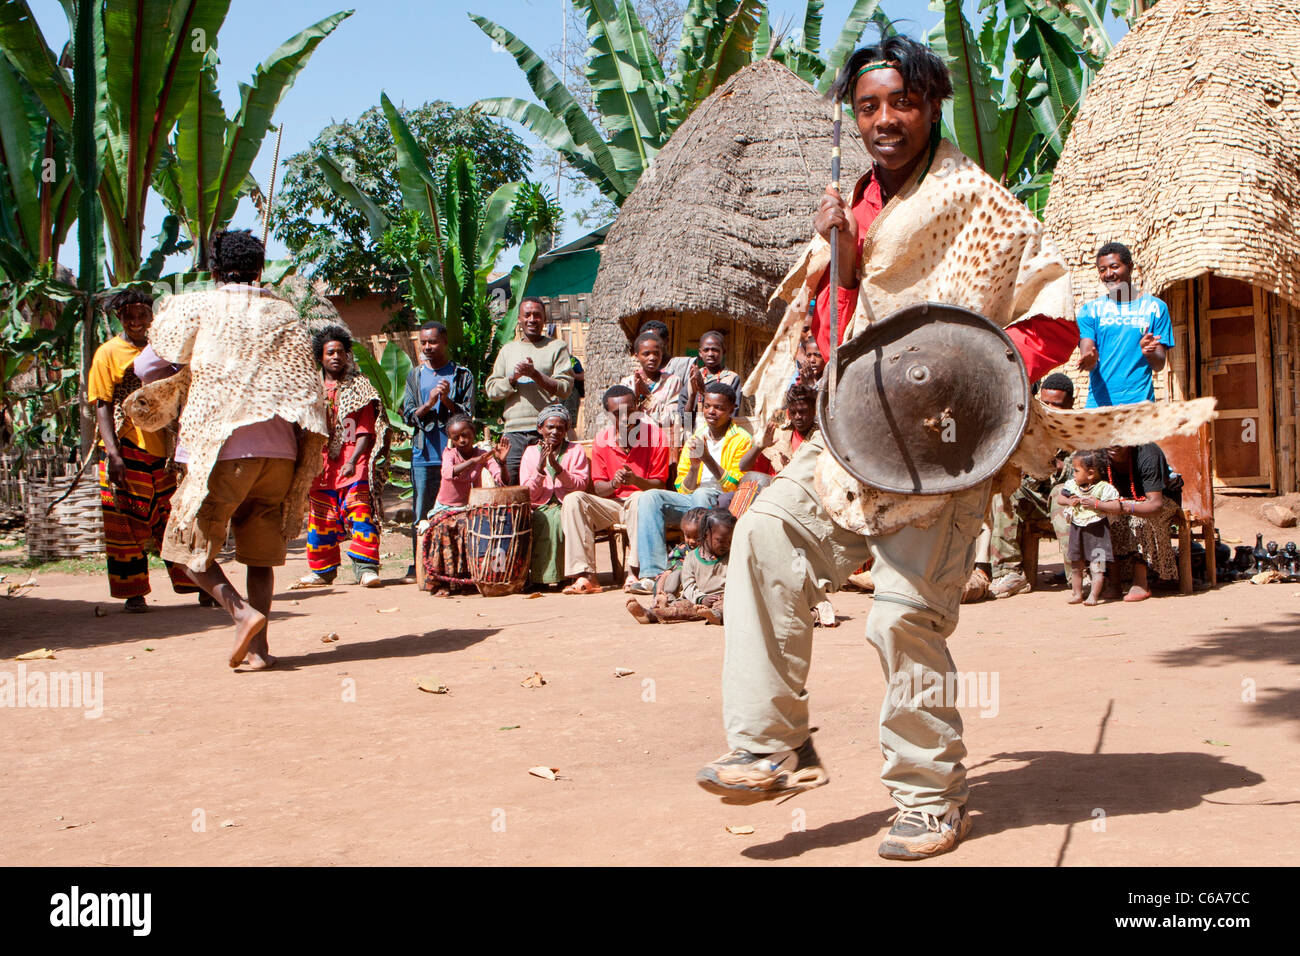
(881, 65)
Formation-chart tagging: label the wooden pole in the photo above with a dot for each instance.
(833, 291)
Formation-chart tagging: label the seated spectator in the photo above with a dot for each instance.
(1036, 498)
(809, 363)
(442, 548)
(1140, 520)
(670, 582)
(780, 441)
(1089, 534)
(703, 578)
(709, 368)
(551, 469)
(628, 456)
(657, 391)
(708, 466)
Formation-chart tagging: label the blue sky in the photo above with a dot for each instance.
(414, 51)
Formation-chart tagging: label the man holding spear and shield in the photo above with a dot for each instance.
(924, 225)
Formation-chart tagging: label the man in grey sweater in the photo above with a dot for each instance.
(529, 374)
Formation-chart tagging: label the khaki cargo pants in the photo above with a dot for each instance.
(785, 554)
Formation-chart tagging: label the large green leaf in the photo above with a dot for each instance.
(555, 96)
(199, 153)
(519, 277)
(89, 137)
(862, 13)
(496, 220)
(18, 149)
(25, 47)
(972, 114)
(258, 102)
(419, 187)
(735, 49)
(154, 50)
(812, 26)
(341, 182)
(396, 365)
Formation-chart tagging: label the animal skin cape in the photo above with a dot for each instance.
(952, 235)
(249, 357)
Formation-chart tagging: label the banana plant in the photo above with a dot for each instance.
(206, 166)
(638, 105)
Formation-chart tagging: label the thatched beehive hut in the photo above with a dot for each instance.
(1187, 149)
(716, 222)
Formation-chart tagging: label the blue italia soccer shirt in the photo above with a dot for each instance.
(1122, 375)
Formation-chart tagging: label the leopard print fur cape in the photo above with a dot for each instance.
(953, 235)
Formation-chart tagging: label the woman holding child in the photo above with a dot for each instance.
(550, 470)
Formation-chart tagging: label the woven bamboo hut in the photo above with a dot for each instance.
(716, 222)
(1187, 149)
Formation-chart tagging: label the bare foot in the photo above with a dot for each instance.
(259, 662)
(1090, 602)
(442, 592)
(248, 623)
(1136, 593)
(1075, 599)
(640, 613)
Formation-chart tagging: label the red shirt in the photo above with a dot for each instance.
(1044, 342)
(649, 457)
(359, 423)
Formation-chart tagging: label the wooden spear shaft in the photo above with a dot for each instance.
(834, 290)
(270, 198)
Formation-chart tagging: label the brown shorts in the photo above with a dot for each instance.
(246, 494)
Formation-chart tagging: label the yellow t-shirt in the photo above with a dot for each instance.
(112, 361)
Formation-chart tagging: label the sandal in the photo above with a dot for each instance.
(312, 580)
(135, 606)
(642, 586)
(590, 588)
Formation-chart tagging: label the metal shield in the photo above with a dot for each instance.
(932, 399)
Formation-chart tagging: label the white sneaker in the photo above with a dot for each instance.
(369, 578)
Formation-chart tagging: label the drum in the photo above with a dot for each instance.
(499, 539)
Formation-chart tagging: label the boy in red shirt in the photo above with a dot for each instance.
(340, 498)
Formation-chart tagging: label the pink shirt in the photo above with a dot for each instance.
(273, 438)
(454, 490)
(574, 473)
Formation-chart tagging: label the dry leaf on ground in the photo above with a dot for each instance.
(740, 831)
(546, 773)
(537, 680)
(40, 654)
(431, 685)
(623, 671)
(329, 638)
(387, 610)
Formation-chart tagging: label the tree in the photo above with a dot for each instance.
(205, 168)
(330, 236)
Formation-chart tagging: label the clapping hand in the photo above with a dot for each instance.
(1149, 343)
(622, 477)
(695, 447)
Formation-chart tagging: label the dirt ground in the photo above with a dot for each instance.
(1164, 733)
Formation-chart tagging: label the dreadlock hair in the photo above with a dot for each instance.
(330, 333)
(696, 516)
(237, 256)
(120, 300)
(923, 72)
(717, 518)
(800, 393)
(1117, 249)
(1096, 459)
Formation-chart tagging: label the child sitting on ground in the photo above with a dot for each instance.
(670, 582)
(1089, 530)
(703, 575)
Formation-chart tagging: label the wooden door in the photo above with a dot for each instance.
(1236, 368)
